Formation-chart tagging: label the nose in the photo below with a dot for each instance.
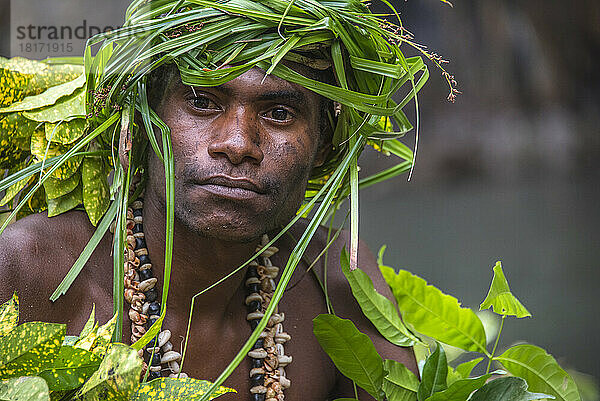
(237, 138)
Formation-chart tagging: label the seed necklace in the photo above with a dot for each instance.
(268, 360)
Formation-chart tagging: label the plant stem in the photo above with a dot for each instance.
(495, 345)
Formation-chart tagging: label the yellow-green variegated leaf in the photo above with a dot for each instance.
(96, 191)
(103, 336)
(71, 368)
(16, 125)
(88, 340)
(25, 388)
(540, 370)
(57, 188)
(90, 324)
(15, 77)
(39, 144)
(46, 98)
(64, 203)
(172, 389)
(65, 132)
(65, 109)
(54, 75)
(9, 315)
(500, 299)
(434, 313)
(116, 379)
(17, 187)
(30, 348)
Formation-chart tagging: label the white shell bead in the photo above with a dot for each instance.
(174, 366)
(163, 337)
(170, 356)
(147, 284)
(167, 347)
(258, 353)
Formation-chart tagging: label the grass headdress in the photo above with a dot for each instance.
(61, 119)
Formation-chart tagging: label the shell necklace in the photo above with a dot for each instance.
(268, 360)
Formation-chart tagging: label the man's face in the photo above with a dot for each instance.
(243, 153)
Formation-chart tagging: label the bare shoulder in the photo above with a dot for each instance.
(36, 252)
(344, 304)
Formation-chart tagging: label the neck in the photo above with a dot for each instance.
(198, 261)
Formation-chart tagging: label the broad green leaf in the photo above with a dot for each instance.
(24, 388)
(540, 370)
(46, 98)
(400, 384)
(452, 375)
(30, 348)
(64, 203)
(65, 132)
(54, 75)
(117, 377)
(70, 341)
(14, 125)
(96, 191)
(65, 109)
(507, 389)
(16, 75)
(434, 313)
(90, 324)
(434, 374)
(71, 368)
(465, 368)
(500, 299)
(39, 145)
(460, 389)
(171, 389)
(56, 188)
(9, 315)
(351, 351)
(103, 336)
(15, 189)
(87, 342)
(377, 308)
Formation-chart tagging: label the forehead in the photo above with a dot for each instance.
(255, 85)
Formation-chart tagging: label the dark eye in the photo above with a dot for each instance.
(279, 114)
(204, 103)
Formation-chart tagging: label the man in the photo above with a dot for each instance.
(243, 153)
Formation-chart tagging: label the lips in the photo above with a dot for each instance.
(231, 187)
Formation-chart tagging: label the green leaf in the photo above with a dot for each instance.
(377, 308)
(117, 377)
(65, 132)
(351, 351)
(25, 388)
(460, 389)
(64, 203)
(465, 368)
(15, 189)
(540, 370)
(30, 348)
(16, 75)
(71, 368)
(96, 191)
(433, 378)
(39, 145)
(400, 384)
(91, 322)
(434, 313)
(500, 299)
(46, 98)
(9, 315)
(172, 389)
(56, 188)
(65, 109)
(506, 389)
(103, 336)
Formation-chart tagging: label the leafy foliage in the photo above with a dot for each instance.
(506, 389)
(433, 313)
(24, 388)
(501, 299)
(352, 352)
(434, 375)
(540, 370)
(171, 389)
